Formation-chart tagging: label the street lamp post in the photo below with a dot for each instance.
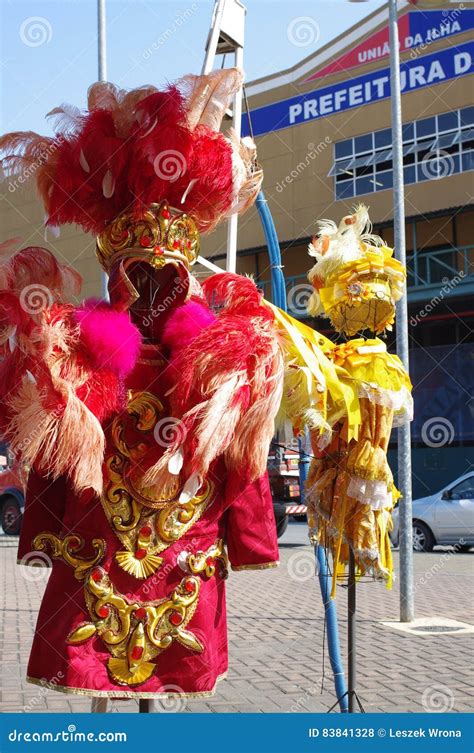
(407, 608)
(102, 76)
(102, 41)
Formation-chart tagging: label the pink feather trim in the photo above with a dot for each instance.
(185, 324)
(110, 339)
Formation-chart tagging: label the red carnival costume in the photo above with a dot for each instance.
(146, 421)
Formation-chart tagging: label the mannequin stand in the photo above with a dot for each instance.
(351, 692)
(99, 706)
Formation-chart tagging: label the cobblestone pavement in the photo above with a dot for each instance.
(276, 640)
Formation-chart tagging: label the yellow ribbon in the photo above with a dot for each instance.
(310, 345)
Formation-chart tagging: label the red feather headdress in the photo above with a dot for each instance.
(133, 149)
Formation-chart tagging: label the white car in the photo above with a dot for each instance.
(445, 518)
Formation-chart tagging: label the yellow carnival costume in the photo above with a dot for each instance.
(348, 395)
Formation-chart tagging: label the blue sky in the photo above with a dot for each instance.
(49, 47)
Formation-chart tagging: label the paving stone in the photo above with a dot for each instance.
(277, 642)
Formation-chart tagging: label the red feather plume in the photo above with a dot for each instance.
(131, 149)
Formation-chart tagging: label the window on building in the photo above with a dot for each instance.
(433, 148)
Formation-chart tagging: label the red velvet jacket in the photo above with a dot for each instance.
(135, 604)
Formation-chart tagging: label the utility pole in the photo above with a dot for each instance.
(407, 608)
(102, 41)
(102, 76)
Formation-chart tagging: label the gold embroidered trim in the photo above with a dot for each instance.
(146, 524)
(206, 562)
(140, 568)
(135, 632)
(124, 693)
(66, 547)
(141, 415)
(263, 566)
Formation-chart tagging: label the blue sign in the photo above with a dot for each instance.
(417, 73)
(429, 26)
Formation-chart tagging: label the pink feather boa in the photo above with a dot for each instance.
(185, 324)
(108, 337)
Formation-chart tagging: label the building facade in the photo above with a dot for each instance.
(324, 139)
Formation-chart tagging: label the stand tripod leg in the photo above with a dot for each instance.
(351, 633)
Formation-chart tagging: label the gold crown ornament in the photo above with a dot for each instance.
(159, 235)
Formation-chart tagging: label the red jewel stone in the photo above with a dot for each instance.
(175, 618)
(140, 613)
(176, 244)
(158, 251)
(145, 531)
(96, 575)
(145, 241)
(166, 213)
(124, 234)
(103, 611)
(210, 561)
(188, 244)
(189, 586)
(137, 652)
(140, 554)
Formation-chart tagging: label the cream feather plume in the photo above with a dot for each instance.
(208, 97)
(335, 245)
(50, 438)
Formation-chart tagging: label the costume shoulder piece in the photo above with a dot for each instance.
(62, 367)
(228, 384)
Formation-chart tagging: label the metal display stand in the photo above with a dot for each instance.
(351, 692)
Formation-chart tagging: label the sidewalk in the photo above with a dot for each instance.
(276, 640)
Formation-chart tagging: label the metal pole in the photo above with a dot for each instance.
(279, 299)
(99, 705)
(102, 40)
(407, 609)
(334, 648)
(231, 264)
(102, 76)
(351, 633)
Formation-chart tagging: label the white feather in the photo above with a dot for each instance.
(190, 488)
(108, 184)
(175, 463)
